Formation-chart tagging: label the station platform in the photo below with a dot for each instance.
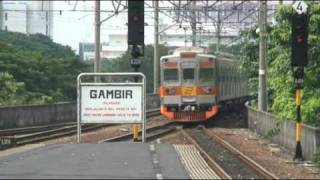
(95, 161)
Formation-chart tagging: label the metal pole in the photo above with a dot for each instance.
(1, 15)
(298, 86)
(144, 123)
(218, 32)
(97, 40)
(156, 73)
(135, 127)
(78, 110)
(262, 94)
(185, 37)
(194, 24)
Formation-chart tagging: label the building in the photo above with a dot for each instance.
(27, 17)
(15, 17)
(40, 17)
(86, 51)
(117, 44)
(115, 47)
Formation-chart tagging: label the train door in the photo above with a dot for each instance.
(189, 81)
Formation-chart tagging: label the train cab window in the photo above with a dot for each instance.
(206, 75)
(188, 74)
(170, 75)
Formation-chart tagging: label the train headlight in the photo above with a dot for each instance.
(171, 91)
(207, 90)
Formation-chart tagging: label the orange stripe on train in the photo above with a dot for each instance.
(164, 91)
(188, 55)
(170, 64)
(206, 64)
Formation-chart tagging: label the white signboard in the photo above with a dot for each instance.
(300, 6)
(111, 103)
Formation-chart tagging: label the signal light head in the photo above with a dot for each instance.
(135, 18)
(300, 39)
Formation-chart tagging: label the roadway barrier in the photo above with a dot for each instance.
(37, 115)
(282, 132)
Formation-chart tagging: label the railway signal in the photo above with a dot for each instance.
(135, 41)
(299, 44)
(136, 29)
(299, 60)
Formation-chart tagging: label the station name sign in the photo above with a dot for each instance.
(111, 103)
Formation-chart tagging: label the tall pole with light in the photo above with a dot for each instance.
(136, 41)
(299, 60)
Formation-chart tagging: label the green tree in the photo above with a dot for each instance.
(279, 74)
(48, 70)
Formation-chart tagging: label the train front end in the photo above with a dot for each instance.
(188, 91)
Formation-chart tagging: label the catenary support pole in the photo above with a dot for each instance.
(1, 15)
(97, 40)
(218, 32)
(156, 68)
(194, 23)
(262, 94)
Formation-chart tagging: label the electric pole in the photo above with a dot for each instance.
(97, 40)
(1, 15)
(194, 23)
(156, 73)
(262, 94)
(218, 31)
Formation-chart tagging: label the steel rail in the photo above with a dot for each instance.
(152, 133)
(257, 167)
(32, 134)
(215, 167)
(245, 159)
(32, 129)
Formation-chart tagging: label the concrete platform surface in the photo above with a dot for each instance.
(95, 161)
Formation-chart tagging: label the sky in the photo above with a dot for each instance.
(72, 27)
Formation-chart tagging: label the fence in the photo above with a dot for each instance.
(282, 132)
(36, 115)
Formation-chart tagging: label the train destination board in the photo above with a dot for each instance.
(111, 104)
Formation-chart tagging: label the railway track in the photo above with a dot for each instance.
(226, 160)
(21, 136)
(152, 133)
(32, 129)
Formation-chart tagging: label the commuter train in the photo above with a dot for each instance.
(193, 83)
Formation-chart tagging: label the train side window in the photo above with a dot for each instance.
(206, 75)
(170, 75)
(188, 74)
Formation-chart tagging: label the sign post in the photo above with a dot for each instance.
(115, 102)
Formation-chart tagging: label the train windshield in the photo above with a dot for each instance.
(170, 75)
(188, 74)
(206, 75)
